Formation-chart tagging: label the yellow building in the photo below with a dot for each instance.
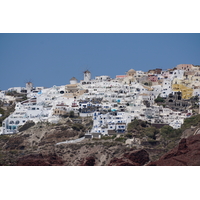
(186, 91)
(190, 79)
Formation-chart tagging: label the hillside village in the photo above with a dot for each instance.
(159, 97)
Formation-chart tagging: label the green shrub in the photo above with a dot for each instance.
(143, 124)
(77, 127)
(108, 137)
(191, 121)
(159, 99)
(71, 114)
(151, 132)
(168, 132)
(152, 141)
(133, 125)
(129, 135)
(120, 139)
(137, 124)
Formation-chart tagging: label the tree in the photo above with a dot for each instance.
(169, 133)
(159, 99)
(71, 114)
(151, 132)
(166, 131)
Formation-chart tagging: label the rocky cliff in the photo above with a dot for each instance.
(37, 145)
(187, 153)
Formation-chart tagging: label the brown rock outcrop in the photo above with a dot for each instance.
(89, 161)
(187, 153)
(39, 160)
(133, 158)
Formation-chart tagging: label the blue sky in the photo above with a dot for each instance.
(52, 59)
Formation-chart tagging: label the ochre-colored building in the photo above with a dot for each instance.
(186, 91)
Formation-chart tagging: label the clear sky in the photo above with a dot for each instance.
(52, 59)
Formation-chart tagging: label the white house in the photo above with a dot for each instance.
(166, 88)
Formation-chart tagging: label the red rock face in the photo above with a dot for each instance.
(122, 162)
(141, 157)
(187, 153)
(90, 161)
(39, 160)
(133, 158)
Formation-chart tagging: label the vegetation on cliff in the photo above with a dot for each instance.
(36, 143)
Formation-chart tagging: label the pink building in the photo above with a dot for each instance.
(186, 67)
(153, 78)
(121, 76)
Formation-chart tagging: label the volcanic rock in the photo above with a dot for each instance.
(132, 158)
(39, 160)
(187, 153)
(89, 161)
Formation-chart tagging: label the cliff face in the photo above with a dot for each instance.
(187, 153)
(39, 160)
(132, 158)
(36, 146)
